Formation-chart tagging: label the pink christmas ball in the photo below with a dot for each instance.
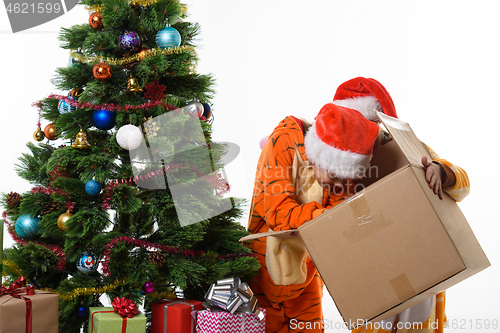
(148, 287)
(263, 142)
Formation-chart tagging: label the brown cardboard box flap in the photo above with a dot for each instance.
(407, 141)
(282, 234)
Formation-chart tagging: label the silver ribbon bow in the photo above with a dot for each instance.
(232, 295)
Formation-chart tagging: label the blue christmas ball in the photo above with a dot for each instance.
(82, 311)
(27, 226)
(93, 188)
(103, 119)
(65, 107)
(129, 40)
(168, 37)
(87, 262)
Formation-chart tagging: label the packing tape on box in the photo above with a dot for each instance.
(402, 287)
(367, 223)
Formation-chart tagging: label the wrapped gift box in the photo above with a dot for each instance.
(173, 316)
(106, 320)
(45, 313)
(220, 321)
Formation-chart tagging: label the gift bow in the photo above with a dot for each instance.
(125, 307)
(14, 290)
(17, 287)
(231, 295)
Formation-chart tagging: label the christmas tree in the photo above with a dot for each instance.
(128, 193)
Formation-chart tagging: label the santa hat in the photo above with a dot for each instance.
(340, 141)
(366, 96)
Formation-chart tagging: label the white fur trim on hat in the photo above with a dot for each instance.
(367, 105)
(342, 164)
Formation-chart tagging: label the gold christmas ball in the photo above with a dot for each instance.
(95, 21)
(38, 135)
(63, 218)
(102, 71)
(50, 132)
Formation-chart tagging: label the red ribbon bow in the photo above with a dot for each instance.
(14, 290)
(125, 307)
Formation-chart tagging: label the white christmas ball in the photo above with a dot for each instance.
(129, 137)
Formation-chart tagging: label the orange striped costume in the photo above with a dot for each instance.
(297, 307)
(274, 206)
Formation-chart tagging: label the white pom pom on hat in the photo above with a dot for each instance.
(341, 141)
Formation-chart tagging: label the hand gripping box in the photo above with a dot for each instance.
(394, 243)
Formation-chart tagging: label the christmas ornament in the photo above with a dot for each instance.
(168, 37)
(104, 119)
(143, 51)
(75, 93)
(102, 71)
(133, 86)
(129, 40)
(157, 259)
(82, 311)
(65, 107)
(150, 128)
(13, 199)
(195, 107)
(207, 110)
(38, 135)
(87, 262)
(129, 137)
(148, 287)
(81, 141)
(95, 21)
(62, 219)
(154, 91)
(74, 58)
(27, 226)
(93, 188)
(50, 132)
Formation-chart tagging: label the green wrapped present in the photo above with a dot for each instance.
(106, 320)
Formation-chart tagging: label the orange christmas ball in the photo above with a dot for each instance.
(50, 132)
(95, 21)
(142, 52)
(102, 71)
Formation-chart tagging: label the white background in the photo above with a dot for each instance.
(439, 60)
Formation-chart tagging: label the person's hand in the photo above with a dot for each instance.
(433, 176)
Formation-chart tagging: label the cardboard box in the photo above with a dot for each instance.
(45, 313)
(106, 320)
(174, 316)
(394, 243)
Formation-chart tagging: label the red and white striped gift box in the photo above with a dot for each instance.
(220, 321)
